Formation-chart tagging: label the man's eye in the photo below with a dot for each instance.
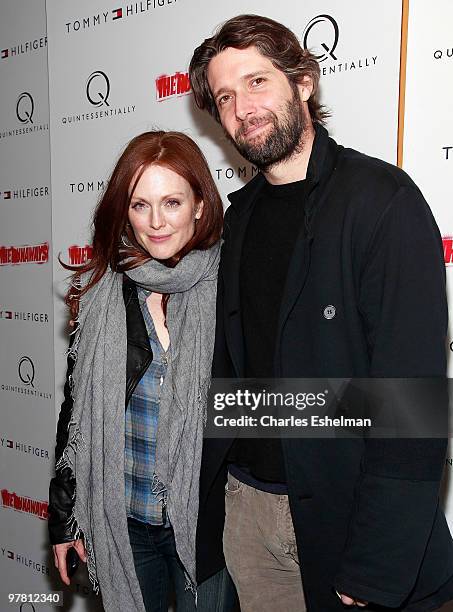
(258, 81)
(223, 100)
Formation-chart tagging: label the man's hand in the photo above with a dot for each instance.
(349, 601)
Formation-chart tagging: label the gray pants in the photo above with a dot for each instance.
(260, 550)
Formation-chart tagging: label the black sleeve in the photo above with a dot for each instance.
(222, 366)
(62, 486)
(402, 298)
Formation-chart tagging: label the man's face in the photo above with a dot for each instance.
(260, 111)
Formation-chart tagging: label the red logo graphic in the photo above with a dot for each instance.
(25, 504)
(169, 86)
(5, 53)
(118, 14)
(79, 255)
(447, 241)
(7, 195)
(16, 255)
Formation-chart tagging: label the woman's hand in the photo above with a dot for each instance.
(59, 553)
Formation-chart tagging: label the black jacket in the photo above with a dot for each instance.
(366, 512)
(139, 356)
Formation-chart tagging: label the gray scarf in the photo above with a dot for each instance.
(95, 451)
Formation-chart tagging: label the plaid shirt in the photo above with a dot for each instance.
(142, 416)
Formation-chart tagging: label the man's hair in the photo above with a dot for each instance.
(274, 41)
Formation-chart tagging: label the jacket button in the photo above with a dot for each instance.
(329, 312)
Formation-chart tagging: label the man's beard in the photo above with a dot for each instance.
(284, 140)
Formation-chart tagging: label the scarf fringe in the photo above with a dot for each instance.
(91, 565)
(191, 586)
(159, 490)
(73, 445)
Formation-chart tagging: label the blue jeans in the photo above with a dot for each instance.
(158, 568)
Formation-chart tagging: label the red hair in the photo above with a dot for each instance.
(113, 238)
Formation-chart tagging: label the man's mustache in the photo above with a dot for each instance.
(255, 122)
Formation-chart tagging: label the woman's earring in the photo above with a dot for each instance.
(125, 241)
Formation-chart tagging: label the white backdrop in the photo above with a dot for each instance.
(428, 141)
(114, 71)
(26, 311)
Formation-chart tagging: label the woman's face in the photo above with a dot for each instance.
(162, 212)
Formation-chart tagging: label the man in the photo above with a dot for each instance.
(318, 279)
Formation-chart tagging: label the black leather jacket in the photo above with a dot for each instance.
(139, 356)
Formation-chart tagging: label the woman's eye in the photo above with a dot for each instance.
(138, 205)
(172, 203)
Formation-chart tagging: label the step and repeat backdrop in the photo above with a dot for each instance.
(93, 74)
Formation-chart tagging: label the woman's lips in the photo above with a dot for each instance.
(159, 238)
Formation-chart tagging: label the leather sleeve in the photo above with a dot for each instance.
(62, 486)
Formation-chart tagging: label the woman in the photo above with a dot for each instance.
(144, 311)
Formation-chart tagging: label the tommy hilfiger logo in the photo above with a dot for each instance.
(24, 47)
(121, 12)
(23, 447)
(24, 192)
(18, 315)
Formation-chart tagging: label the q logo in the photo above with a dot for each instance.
(322, 34)
(25, 107)
(26, 371)
(98, 88)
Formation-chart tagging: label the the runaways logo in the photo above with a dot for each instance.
(25, 107)
(447, 242)
(173, 85)
(24, 47)
(97, 92)
(324, 39)
(121, 12)
(25, 504)
(321, 36)
(98, 88)
(79, 255)
(25, 254)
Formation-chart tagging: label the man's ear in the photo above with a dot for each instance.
(305, 87)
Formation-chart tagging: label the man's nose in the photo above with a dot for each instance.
(245, 106)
